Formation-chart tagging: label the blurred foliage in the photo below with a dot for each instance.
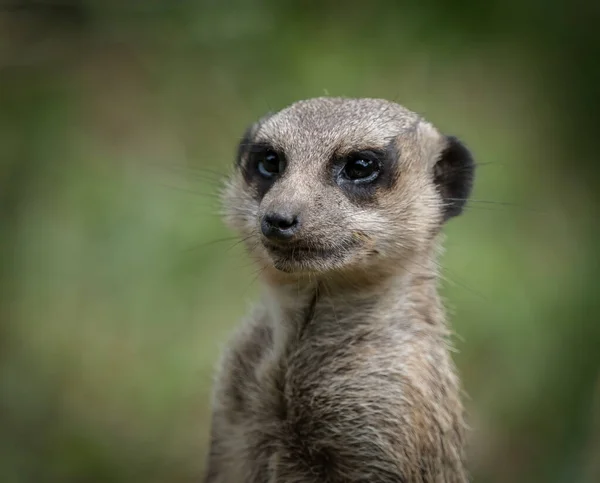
(120, 285)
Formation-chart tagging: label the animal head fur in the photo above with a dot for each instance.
(424, 178)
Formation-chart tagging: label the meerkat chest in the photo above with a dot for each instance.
(268, 393)
(253, 406)
(330, 392)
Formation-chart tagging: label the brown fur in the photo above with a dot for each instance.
(342, 373)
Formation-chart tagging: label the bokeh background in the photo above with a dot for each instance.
(119, 284)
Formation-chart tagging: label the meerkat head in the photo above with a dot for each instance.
(331, 185)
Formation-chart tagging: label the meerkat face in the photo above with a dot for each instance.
(332, 184)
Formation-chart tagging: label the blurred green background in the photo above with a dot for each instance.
(119, 284)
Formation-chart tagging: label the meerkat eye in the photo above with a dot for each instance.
(361, 169)
(269, 164)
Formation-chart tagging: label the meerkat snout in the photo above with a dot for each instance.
(280, 226)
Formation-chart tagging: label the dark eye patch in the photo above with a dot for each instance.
(360, 174)
(261, 164)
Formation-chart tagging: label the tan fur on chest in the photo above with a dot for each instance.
(311, 400)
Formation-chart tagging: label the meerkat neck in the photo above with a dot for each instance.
(406, 295)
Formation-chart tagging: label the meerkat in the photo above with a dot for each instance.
(342, 373)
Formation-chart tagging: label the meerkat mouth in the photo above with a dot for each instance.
(302, 256)
(300, 251)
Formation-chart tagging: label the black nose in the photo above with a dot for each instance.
(279, 226)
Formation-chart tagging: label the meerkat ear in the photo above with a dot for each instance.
(453, 176)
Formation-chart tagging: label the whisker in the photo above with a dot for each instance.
(461, 169)
(255, 275)
(442, 270)
(491, 163)
(189, 190)
(269, 108)
(485, 208)
(189, 169)
(201, 179)
(491, 204)
(243, 240)
(470, 200)
(456, 282)
(215, 172)
(211, 242)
